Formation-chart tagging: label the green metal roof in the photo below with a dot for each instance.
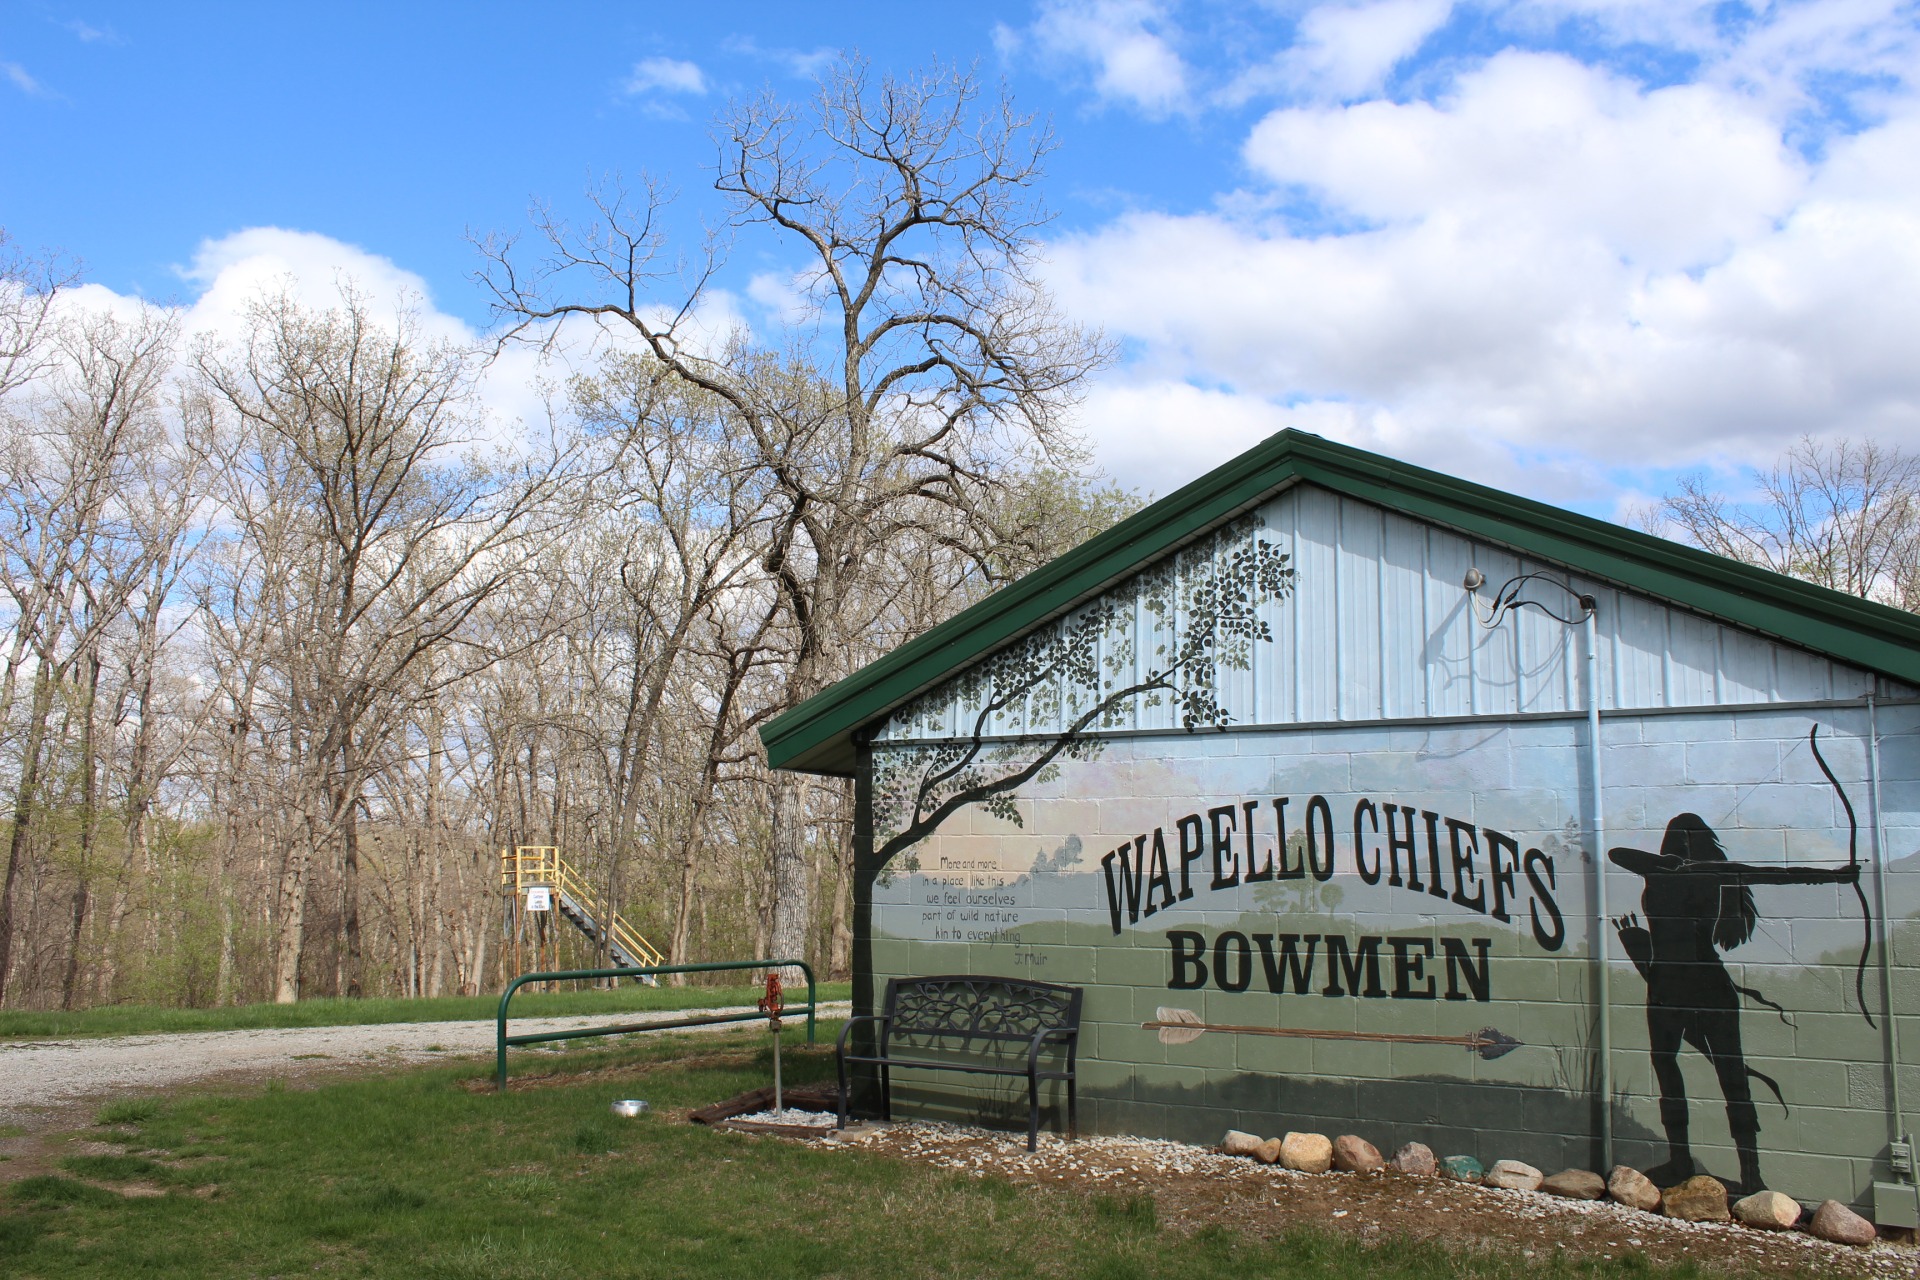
(817, 735)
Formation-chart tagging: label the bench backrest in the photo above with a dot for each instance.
(972, 1007)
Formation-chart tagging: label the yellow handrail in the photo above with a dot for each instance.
(531, 865)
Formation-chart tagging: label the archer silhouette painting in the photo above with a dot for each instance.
(1696, 904)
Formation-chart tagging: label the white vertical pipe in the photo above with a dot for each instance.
(1427, 644)
(1342, 601)
(1293, 605)
(1601, 923)
(1886, 931)
(1473, 656)
(1380, 623)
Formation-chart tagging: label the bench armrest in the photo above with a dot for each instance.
(1040, 1039)
(840, 1043)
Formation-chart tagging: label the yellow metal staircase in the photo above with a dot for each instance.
(540, 866)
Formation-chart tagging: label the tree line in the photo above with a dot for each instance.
(296, 638)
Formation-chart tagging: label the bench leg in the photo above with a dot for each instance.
(840, 1069)
(886, 1093)
(1073, 1112)
(1033, 1113)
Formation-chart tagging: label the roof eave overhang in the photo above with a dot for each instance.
(818, 736)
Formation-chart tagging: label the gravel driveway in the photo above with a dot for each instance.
(39, 1075)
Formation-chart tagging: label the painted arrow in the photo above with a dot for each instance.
(1183, 1026)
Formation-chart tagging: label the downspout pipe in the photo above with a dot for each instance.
(1886, 942)
(1507, 599)
(1602, 950)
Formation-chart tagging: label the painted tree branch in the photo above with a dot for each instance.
(1209, 598)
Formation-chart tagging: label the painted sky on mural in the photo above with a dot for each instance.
(1569, 247)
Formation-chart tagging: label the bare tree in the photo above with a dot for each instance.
(737, 647)
(932, 363)
(1844, 514)
(344, 450)
(29, 284)
(684, 504)
(79, 476)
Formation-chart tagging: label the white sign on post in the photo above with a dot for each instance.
(540, 899)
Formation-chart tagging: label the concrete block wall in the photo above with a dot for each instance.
(1032, 900)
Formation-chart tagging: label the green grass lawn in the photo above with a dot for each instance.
(419, 1174)
(126, 1020)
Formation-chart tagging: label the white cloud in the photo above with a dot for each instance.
(1530, 258)
(1158, 433)
(1781, 54)
(1344, 50)
(784, 298)
(1123, 41)
(23, 80)
(86, 33)
(805, 63)
(1548, 263)
(1669, 178)
(229, 275)
(666, 75)
(234, 272)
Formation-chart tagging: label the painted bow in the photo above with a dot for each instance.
(1853, 860)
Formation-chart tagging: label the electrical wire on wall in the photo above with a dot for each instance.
(1508, 599)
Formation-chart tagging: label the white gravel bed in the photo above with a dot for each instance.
(792, 1115)
(36, 1075)
(952, 1146)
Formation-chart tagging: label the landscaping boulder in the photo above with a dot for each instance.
(1633, 1189)
(1306, 1152)
(1835, 1222)
(1512, 1175)
(1767, 1210)
(1462, 1169)
(1268, 1152)
(1575, 1184)
(1355, 1155)
(1416, 1158)
(1237, 1143)
(1698, 1199)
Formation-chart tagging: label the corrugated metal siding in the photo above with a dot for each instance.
(1379, 627)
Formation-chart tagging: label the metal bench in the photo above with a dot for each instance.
(962, 1022)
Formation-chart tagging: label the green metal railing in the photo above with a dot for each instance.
(504, 1041)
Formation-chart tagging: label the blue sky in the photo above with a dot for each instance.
(398, 127)
(1569, 247)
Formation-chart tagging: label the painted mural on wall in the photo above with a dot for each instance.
(1387, 929)
(1346, 932)
(1697, 904)
(1060, 687)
